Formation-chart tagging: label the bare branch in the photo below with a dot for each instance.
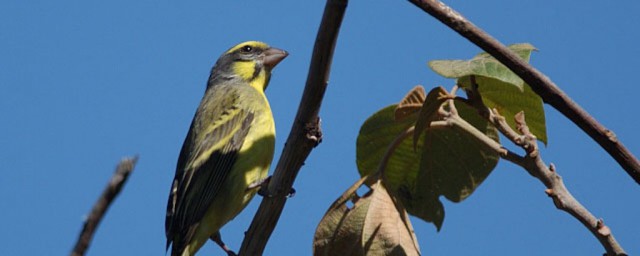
(305, 132)
(533, 163)
(125, 167)
(556, 189)
(541, 84)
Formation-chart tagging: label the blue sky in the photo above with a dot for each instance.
(84, 83)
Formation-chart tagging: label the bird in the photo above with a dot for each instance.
(227, 152)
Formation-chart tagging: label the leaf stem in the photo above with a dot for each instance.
(391, 149)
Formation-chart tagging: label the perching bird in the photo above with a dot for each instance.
(227, 151)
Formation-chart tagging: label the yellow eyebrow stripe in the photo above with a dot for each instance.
(251, 43)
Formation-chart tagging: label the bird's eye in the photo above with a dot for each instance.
(246, 48)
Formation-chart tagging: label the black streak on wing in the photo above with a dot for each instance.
(197, 188)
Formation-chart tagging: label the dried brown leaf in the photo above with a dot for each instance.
(411, 103)
(376, 224)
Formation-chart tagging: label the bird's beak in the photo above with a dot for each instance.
(273, 56)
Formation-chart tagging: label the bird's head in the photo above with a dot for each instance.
(251, 61)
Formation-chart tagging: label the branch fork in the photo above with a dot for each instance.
(532, 162)
(556, 189)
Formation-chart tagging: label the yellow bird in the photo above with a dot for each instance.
(228, 149)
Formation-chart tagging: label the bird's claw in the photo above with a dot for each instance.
(264, 188)
(218, 240)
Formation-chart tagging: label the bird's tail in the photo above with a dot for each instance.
(178, 252)
(177, 249)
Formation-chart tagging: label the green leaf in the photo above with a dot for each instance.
(428, 112)
(452, 163)
(499, 87)
(376, 134)
(509, 100)
(483, 65)
(375, 225)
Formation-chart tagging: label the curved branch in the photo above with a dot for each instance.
(541, 84)
(532, 162)
(305, 132)
(556, 189)
(125, 167)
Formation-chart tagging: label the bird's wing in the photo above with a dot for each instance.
(203, 167)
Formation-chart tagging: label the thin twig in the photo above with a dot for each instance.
(556, 189)
(305, 132)
(532, 162)
(125, 167)
(541, 84)
(452, 106)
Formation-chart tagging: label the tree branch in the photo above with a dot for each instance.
(305, 132)
(125, 167)
(532, 162)
(541, 84)
(556, 189)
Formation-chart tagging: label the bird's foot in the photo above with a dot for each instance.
(218, 240)
(263, 184)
